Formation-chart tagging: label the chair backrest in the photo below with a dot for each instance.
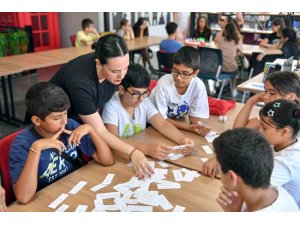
(152, 84)
(5, 144)
(73, 39)
(211, 61)
(165, 61)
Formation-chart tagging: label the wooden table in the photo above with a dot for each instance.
(193, 161)
(197, 196)
(246, 86)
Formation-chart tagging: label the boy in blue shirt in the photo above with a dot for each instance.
(170, 44)
(51, 148)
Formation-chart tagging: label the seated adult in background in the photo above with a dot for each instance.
(88, 35)
(90, 81)
(288, 45)
(202, 30)
(170, 44)
(272, 39)
(125, 31)
(230, 41)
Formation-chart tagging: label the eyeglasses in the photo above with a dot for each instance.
(138, 95)
(183, 75)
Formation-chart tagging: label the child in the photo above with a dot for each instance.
(202, 30)
(170, 44)
(88, 35)
(246, 168)
(280, 124)
(279, 85)
(182, 94)
(271, 40)
(125, 31)
(129, 109)
(50, 149)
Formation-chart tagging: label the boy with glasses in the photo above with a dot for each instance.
(129, 109)
(182, 95)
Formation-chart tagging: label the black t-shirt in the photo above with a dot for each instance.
(273, 38)
(205, 34)
(290, 49)
(78, 78)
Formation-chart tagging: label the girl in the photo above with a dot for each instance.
(125, 31)
(202, 29)
(272, 39)
(280, 124)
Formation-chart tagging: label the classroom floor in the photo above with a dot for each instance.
(21, 83)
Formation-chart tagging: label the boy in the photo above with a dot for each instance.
(170, 44)
(88, 35)
(129, 109)
(246, 168)
(38, 155)
(182, 94)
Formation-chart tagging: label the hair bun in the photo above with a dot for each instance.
(94, 45)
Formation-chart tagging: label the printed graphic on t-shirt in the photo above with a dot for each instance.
(177, 111)
(130, 130)
(57, 166)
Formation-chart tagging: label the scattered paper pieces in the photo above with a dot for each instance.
(178, 147)
(106, 182)
(164, 203)
(175, 157)
(62, 208)
(179, 208)
(57, 201)
(139, 208)
(81, 208)
(170, 185)
(163, 164)
(207, 149)
(78, 187)
(204, 160)
(210, 137)
(177, 175)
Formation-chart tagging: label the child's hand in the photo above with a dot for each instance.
(46, 143)
(159, 151)
(141, 165)
(202, 130)
(3, 207)
(189, 145)
(230, 201)
(77, 134)
(210, 167)
(258, 98)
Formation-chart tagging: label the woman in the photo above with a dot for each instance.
(90, 81)
(272, 39)
(202, 29)
(125, 31)
(140, 29)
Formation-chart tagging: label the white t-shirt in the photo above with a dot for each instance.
(115, 114)
(283, 203)
(171, 104)
(286, 170)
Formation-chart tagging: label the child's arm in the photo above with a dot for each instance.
(169, 130)
(103, 154)
(3, 207)
(242, 119)
(230, 201)
(210, 167)
(157, 151)
(27, 183)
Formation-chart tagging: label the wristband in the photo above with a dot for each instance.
(131, 153)
(35, 151)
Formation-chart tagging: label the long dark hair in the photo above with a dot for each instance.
(231, 33)
(136, 27)
(109, 46)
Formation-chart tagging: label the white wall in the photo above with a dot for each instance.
(70, 23)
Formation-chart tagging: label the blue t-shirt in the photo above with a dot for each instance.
(51, 166)
(170, 46)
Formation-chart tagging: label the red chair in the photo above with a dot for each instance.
(73, 39)
(5, 144)
(152, 84)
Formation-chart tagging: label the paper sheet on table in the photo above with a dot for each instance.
(178, 147)
(170, 185)
(163, 164)
(108, 179)
(62, 208)
(81, 208)
(164, 203)
(179, 208)
(210, 137)
(204, 160)
(177, 175)
(207, 149)
(175, 157)
(139, 208)
(78, 187)
(57, 201)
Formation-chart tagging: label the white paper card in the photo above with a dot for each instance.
(78, 187)
(178, 156)
(179, 208)
(172, 185)
(164, 203)
(152, 164)
(207, 149)
(57, 201)
(108, 178)
(139, 208)
(210, 137)
(98, 187)
(204, 160)
(178, 147)
(163, 164)
(177, 175)
(62, 208)
(81, 208)
(109, 195)
(161, 171)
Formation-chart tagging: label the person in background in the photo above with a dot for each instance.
(230, 42)
(90, 81)
(88, 35)
(129, 110)
(246, 168)
(170, 44)
(125, 31)
(183, 21)
(288, 45)
(271, 40)
(225, 17)
(202, 29)
(3, 207)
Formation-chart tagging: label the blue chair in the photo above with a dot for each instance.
(211, 61)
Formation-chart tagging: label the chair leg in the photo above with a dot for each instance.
(231, 89)
(222, 87)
